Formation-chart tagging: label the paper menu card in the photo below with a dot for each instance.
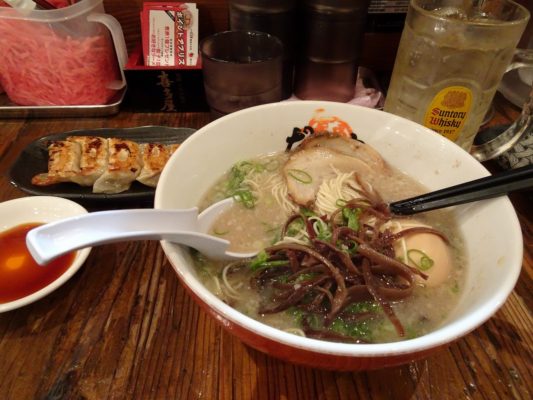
(170, 34)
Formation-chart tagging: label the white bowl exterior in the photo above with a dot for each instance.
(490, 228)
(41, 209)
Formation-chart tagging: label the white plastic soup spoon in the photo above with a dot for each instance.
(187, 227)
(49, 241)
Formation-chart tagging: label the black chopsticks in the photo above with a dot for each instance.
(479, 189)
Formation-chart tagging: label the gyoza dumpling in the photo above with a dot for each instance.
(154, 158)
(123, 167)
(93, 159)
(63, 163)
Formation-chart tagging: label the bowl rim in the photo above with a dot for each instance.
(439, 337)
(43, 202)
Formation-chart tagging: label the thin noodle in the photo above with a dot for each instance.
(217, 285)
(332, 190)
(232, 292)
(280, 192)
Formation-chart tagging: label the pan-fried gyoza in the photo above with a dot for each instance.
(109, 165)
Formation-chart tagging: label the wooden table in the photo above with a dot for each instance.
(124, 327)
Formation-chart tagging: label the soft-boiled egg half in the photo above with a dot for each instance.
(425, 251)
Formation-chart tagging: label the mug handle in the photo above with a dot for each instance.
(521, 58)
(524, 124)
(119, 42)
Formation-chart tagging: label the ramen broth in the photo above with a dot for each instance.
(258, 225)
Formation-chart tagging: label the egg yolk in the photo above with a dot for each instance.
(15, 261)
(427, 252)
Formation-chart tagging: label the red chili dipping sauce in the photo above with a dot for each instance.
(20, 275)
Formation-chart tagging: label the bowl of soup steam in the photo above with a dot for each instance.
(489, 229)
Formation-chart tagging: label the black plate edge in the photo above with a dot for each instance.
(21, 178)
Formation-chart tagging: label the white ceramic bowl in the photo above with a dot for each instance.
(490, 227)
(40, 209)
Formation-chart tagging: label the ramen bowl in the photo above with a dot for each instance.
(490, 228)
(31, 210)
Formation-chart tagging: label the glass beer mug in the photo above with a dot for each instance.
(451, 59)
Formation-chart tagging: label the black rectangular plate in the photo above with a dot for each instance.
(34, 160)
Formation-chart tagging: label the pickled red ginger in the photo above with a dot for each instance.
(41, 65)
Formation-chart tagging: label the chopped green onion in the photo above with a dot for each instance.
(341, 203)
(411, 333)
(220, 233)
(350, 247)
(261, 261)
(295, 227)
(313, 320)
(351, 217)
(271, 165)
(245, 197)
(258, 260)
(306, 212)
(300, 175)
(424, 263)
(362, 306)
(356, 330)
(321, 228)
(245, 167)
(235, 186)
(235, 179)
(305, 277)
(277, 263)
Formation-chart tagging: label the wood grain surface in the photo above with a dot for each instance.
(124, 328)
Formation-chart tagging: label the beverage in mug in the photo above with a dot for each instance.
(450, 61)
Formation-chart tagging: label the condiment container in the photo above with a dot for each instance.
(276, 17)
(332, 38)
(67, 56)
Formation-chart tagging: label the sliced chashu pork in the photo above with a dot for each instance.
(306, 169)
(349, 147)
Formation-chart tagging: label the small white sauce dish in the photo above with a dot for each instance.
(40, 209)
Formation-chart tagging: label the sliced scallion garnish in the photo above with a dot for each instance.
(424, 262)
(245, 197)
(300, 175)
(341, 203)
(350, 247)
(271, 165)
(351, 217)
(321, 228)
(261, 261)
(306, 212)
(236, 186)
